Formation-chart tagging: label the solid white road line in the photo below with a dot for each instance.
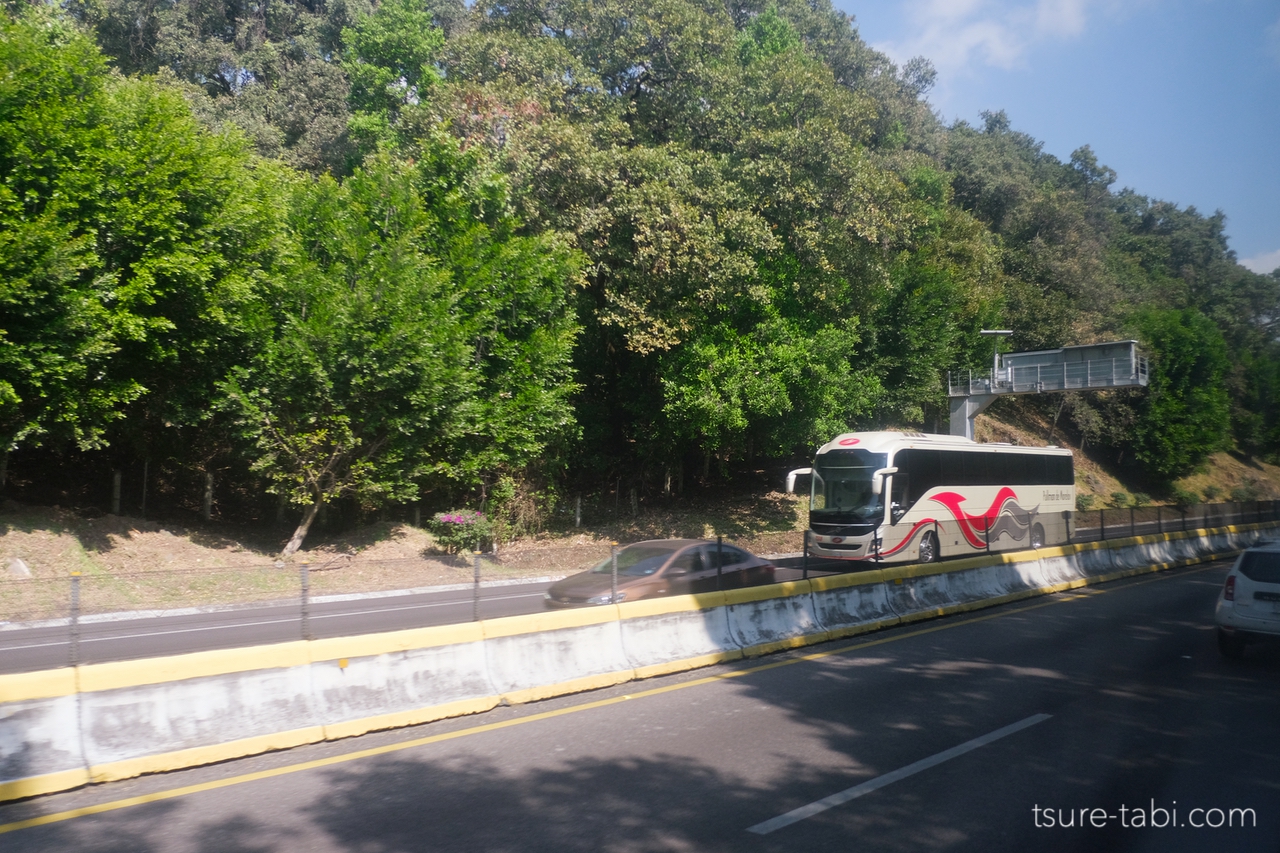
(257, 622)
(797, 815)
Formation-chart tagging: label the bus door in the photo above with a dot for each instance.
(899, 496)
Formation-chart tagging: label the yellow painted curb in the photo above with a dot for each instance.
(747, 595)
(51, 783)
(761, 649)
(673, 604)
(45, 684)
(199, 755)
(576, 685)
(864, 628)
(830, 582)
(97, 677)
(415, 717)
(657, 669)
(551, 620)
(371, 645)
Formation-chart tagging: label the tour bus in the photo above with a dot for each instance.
(908, 496)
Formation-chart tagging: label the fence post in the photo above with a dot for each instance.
(304, 579)
(475, 587)
(1132, 530)
(74, 623)
(719, 562)
(613, 559)
(804, 559)
(1159, 519)
(1102, 525)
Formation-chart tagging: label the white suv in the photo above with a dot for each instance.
(1249, 604)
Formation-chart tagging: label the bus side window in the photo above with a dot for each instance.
(1036, 469)
(953, 468)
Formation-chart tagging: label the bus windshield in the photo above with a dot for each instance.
(842, 487)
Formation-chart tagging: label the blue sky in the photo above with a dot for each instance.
(1180, 97)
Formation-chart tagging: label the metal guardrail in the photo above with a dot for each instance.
(1068, 376)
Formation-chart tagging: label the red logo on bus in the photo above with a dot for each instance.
(849, 442)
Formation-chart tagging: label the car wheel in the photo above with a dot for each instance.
(1037, 536)
(1231, 646)
(929, 547)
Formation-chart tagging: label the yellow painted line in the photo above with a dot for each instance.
(173, 793)
(552, 620)
(46, 684)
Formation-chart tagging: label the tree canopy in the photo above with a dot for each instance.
(389, 251)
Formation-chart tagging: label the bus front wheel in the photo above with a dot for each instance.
(1037, 536)
(929, 547)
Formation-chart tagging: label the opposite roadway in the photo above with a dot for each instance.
(117, 637)
(1108, 706)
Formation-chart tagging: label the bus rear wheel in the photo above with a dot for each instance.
(929, 547)
(1037, 536)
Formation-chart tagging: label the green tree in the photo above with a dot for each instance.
(1186, 413)
(416, 337)
(60, 326)
(133, 242)
(389, 58)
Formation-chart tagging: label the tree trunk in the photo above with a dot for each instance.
(4, 468)
(206, 509)
(303, 526)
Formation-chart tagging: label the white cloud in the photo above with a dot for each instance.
(1060, 17)
(960, 35)
(1263, 263)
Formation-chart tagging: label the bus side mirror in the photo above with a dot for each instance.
(791, 478)
(877, 479)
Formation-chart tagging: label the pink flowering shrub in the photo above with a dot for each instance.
(460, 530)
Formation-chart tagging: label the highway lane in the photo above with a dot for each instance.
(50, 646)
(960, 734)
(151, 636)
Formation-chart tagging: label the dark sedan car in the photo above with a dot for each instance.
(662, 567)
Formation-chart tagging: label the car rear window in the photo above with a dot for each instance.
(1261, 566)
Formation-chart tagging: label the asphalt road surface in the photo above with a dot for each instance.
(51, 646)
(1109, 706)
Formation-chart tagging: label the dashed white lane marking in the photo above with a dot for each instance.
(797, 815)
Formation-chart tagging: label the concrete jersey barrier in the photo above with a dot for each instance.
(60, 729)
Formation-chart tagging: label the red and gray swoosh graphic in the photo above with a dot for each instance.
(1003, 516)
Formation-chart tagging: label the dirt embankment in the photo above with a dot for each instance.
(130, 564)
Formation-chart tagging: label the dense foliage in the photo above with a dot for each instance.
(389, 251)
